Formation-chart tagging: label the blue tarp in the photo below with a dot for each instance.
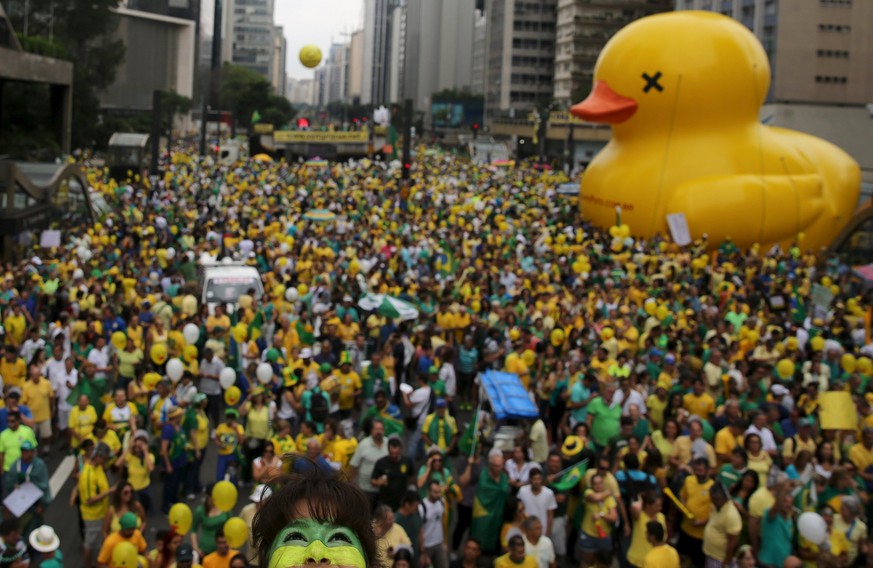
(509, 399)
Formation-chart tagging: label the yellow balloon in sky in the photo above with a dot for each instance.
(310, 56)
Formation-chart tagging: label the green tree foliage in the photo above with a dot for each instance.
(244, 91)
(81, 31)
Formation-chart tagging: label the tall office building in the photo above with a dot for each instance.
(249, 35)
(520, 54)
(356, 66)
(439, 48)
(581, 32)
(336, 68)
(301, 91)
(819, 50)
(477, 65)
(378, 16)
(280, 56)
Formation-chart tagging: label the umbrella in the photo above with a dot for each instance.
(865, 272)
(262, 158)
(320, 215)
(388, 306)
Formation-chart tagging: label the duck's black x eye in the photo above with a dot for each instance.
(652, 82)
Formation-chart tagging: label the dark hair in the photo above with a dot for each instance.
(655, 530)
(395, 443)
(403, 554)
(516, 540)
(329, 499)
(16, 414)
(631, 461)
(410, 497)
(510, 509)
(240, 557)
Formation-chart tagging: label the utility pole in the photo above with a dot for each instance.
(156, 130)
(407, 141)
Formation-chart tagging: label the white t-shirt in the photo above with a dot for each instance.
(447, 376)
(419, 399)
(543, 551)
(538, 505)
(768, 442)
(59, 384)
(54, 367)
(432, 515)
(634, 397)
(100, 359)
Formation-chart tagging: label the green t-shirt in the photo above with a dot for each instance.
(10, 444)
(606, 422)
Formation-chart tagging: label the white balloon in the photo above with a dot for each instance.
(171, 253)
(264, 373)
(284, 248)
(191, 333)
(812, 527)
(78, 273)
(175, 368)
(291, 294)
(227, 378)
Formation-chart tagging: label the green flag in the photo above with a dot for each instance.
(488, 508)
(572, 478)
(256, 117)
(467, 442)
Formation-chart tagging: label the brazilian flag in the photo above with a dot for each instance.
(572, 478)
(488, 510)
(468, 438)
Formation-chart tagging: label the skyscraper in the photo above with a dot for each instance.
(583, 28)
(249, 37)
(520, 54)
(377, 50)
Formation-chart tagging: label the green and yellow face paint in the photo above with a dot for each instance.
(306, 542)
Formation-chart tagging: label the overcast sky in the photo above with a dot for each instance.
(318, 22)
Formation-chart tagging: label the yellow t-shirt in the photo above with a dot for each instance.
(92, 482)
(682, 449)
(725, 441)
(656, 408)
(15, 328)
(505, 562)
(258, 422)
(228, 437)
(282, 446)
(111, 440)
(348, 332)
(760, 501)
(795, 445)
(664, 556)
(590, 523)
(13, 373)
(138, 471)
(861, 456)
(640, 547)
(722, 523)
(349, 383)
(515, 364)
(202, 433)
(695, 495)
(702, 406)
(37, 396)
(340, 450)
(82, 422)
(120, 417)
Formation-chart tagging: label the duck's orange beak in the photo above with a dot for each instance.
(604, 105)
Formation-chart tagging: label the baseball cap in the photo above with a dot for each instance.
(198, 398)
(231, 412)
(778, 390)
(441, 403)
(260, 492)
(184, 553)
(325, 368)
(127, 521)
(14, 392)
(27, 445)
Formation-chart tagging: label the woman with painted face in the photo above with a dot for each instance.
(313, 515)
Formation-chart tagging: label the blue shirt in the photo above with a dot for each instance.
(4, 415)
(303, 465)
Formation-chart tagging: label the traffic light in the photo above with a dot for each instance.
(302, 123)
(475, 130)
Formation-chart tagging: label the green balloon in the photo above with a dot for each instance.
(272, 354)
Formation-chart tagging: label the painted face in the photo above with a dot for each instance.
(306, 542)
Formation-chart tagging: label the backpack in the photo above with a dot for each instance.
(318, 407)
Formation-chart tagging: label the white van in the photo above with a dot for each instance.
(223, 283)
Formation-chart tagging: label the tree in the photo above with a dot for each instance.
(244, 91)
(81, 32)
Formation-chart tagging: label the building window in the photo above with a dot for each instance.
(836, 3)
(831, 79)
(834, 28)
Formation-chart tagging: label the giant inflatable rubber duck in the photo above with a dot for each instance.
(682, 91)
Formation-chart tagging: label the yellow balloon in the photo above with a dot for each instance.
(817, 343)
(310, 56)
(557, 337)
(236, 532)
(650, 308)
(180, 518)
(661, 312)
(224, 494)
(607, 333)
(151, 380)
(119, 340)
(865, 365)
(190, 353)
(159, 353)
(240, 332)
(232, 396)
(529, 357)
(124, 555)
(849, 363)
(302, 289)
(785, 368)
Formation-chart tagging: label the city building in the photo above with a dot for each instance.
(397, 61)
(356, 66)
(378, 16)
(280, 56)
(439, 48)
(336, 73)
(160, 56)
(520, 54)
(477, 63)
(582, 29)
(301, 91)
(248, 37)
